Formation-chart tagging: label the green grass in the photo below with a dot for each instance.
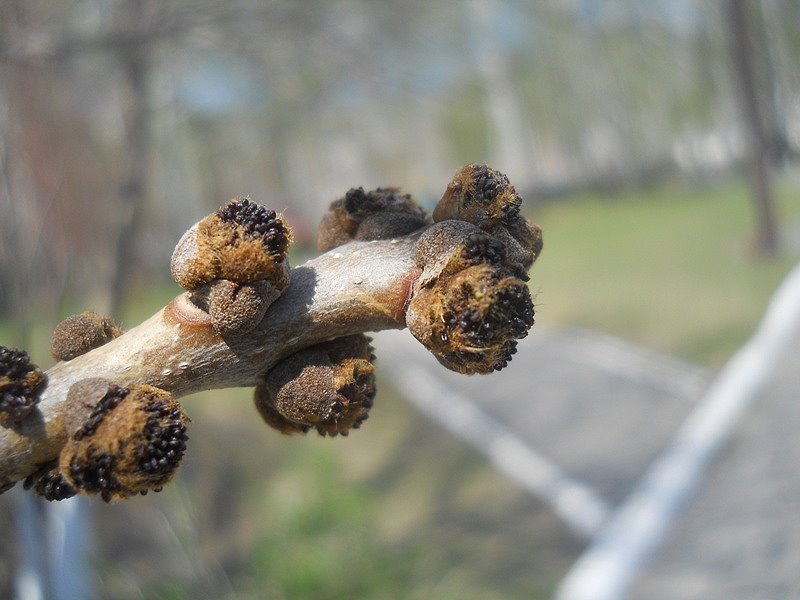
(671, 268)
(397, 511)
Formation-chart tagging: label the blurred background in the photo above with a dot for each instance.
(656, 143)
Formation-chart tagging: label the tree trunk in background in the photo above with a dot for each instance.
(133, 191)
(770, 39)
(757, 143)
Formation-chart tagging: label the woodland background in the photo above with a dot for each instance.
(656, 142)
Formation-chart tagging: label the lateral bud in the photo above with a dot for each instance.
(374, 215)
(132, 441)
(77, 334)
(329, 387)
(242, 242)
(234, 261)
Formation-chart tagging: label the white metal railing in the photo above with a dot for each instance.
(626, 542)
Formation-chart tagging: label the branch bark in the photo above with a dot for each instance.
(457, 280)
(361, 286)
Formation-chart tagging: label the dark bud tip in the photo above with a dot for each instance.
(257, 222)
(49, 483)
(482, 248)
(377, 214)
(20, 380)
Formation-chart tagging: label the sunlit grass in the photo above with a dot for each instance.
(396, 510)
(672, 268)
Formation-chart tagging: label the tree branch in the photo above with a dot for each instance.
(105, 420)
(361, 286)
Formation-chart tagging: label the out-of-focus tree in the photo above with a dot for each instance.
(121, 41)
(164, 109)
(758, 144)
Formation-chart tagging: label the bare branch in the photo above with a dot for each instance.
(108, 413)
(361, 286)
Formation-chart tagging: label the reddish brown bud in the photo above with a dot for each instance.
(19, 384)
(330, 386)
(378, 214)
(78, 334)
(132, 442)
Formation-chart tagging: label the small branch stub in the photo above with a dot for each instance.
(105, 419)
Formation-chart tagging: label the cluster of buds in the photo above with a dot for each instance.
(234, 263)
(471, 304)
(121, 441)
(456, 279)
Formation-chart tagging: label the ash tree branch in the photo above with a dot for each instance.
(246, 319)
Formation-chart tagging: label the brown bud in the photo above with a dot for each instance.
(242, 242)
(131, 442)
(480, 195)
(471, 320)
(235, 309)
(20, 380)
(378, 214)
(523, 240)
(78, 334)
(330, 386)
